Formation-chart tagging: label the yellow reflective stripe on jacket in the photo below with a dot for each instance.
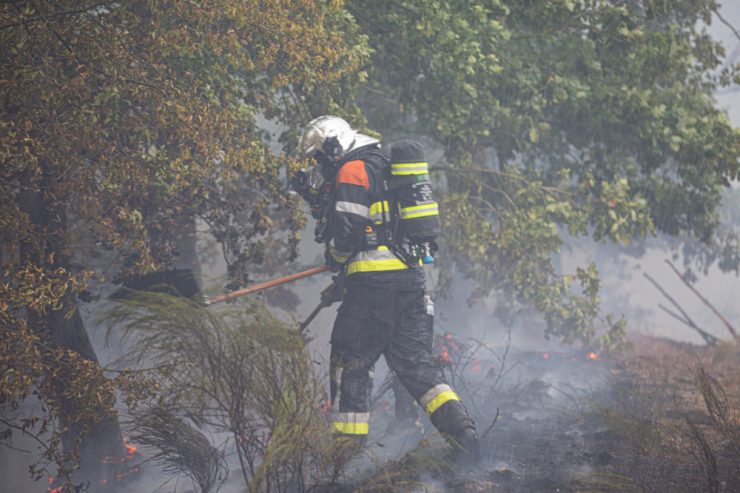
(378, 260)
(436, 396)
(378, 207)
(350, 428)
(420, 211)
(351, 423)
(409, 168)
(376, 212)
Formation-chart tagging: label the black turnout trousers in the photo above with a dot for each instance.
(384, 313)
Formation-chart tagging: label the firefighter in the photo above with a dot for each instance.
(383, 311)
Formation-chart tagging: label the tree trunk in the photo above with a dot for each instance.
(59, 329)
(103, 437)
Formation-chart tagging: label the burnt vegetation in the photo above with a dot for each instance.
(660, 417)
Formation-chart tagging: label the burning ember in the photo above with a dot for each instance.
(130, 451)
(128, 472)
(446, 345)
(130, 454)
(592, 356)
(51, 488)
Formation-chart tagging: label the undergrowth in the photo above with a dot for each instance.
(242, 376)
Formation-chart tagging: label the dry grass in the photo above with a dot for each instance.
(179, 448)
(241, 373)
(673, 419)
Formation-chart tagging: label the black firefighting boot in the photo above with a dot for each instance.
(456, 425)
(467, 448)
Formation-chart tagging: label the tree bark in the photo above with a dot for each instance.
(102, 438)
(59, 329)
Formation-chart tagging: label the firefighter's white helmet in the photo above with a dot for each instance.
(332, 136)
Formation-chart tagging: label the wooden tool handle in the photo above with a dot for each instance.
(266, 284)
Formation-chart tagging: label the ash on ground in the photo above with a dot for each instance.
(660, 417)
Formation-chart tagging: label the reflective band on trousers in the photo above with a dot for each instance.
(352, 208)
(420, 211)
(351, 423)
(376, 212)
(436, 396)
(409, 168)
(380, 259)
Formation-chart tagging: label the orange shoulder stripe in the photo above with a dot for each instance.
(354, 173)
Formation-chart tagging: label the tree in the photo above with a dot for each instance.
(120, 122)
(580, 115)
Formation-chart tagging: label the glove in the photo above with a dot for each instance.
(334, 292)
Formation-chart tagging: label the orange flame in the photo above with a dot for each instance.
(592, 356)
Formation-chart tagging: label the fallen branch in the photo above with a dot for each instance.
(703, 299)
(708, 338)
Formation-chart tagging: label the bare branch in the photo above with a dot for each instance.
(729, 326)
(727, 23)
(710, 339)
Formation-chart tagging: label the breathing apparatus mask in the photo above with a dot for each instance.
(310, 184)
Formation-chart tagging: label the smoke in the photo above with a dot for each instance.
(627, 292)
